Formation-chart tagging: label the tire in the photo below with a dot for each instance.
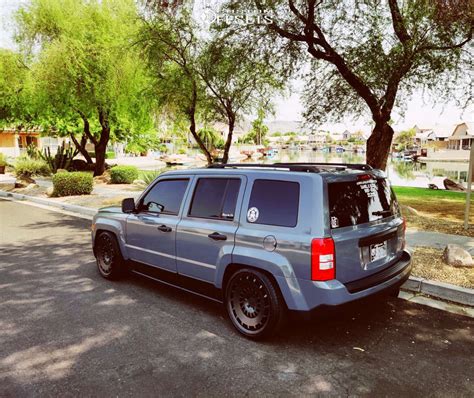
(253, 303)
(110, 262)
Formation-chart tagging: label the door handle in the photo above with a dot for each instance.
(164, 228)
(217, 236)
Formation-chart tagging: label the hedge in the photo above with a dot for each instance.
(123, 174)
(74, 183)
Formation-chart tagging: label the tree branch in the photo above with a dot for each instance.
(398, 23)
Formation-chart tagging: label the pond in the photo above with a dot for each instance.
(401, 173)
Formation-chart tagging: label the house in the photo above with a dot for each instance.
(346, 134)
(462, 137)
(438, 132)
(14, 142)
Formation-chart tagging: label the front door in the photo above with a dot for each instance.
(206, 233)
(151, 232)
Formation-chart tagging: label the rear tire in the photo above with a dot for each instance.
(110, 262)
(254, 304)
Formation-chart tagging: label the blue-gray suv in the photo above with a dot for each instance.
(262, 239)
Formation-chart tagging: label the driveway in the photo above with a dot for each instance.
(65, 331)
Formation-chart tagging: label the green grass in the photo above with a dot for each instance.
(425, 193)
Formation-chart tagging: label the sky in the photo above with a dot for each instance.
(419, 111)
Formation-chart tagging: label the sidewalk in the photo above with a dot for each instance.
(438, 240)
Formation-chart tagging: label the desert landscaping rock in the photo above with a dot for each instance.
(456, 256)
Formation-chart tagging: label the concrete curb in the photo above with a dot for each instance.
(85, 211)
(445, 291)
(414, 284)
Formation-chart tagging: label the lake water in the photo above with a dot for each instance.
(399, 172)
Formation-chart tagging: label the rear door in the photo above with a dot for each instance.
(366, 226)
(151, 232)
(206, 232)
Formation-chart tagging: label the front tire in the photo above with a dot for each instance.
(254, 304)
(110, 262)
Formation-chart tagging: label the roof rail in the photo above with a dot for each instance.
(355, 166)
(303, 167)
(291, 167)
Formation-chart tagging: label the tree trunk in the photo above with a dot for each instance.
(100, 146)
(379, 145)
(228, 143)
(81, 147)
(100, 151)
(192, 129)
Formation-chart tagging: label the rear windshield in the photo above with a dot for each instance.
(358, 202)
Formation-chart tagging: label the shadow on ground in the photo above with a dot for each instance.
(65, 331)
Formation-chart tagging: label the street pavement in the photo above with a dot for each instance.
(65, 331)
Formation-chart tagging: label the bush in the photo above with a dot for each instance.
(75, 183)
(123, 174)
(149, 176)
(108, 154)
(26, 167)
(3, 160)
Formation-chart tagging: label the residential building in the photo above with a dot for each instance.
(462, 137)
(14, 142)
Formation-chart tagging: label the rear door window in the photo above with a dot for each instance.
(359, 202)
(215, 198)
(274, 202)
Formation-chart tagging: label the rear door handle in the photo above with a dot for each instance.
(217, 236)
(164, 228)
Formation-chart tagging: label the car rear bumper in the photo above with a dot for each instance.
(332, 293)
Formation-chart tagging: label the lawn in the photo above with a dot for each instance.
(437, 210)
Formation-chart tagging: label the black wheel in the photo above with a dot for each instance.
(108, 255)
(254, 304)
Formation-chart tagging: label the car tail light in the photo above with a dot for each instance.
(401, 235)
(323, 259)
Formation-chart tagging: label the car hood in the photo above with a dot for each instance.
(111, 209)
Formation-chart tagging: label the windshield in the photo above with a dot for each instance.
(358, 202)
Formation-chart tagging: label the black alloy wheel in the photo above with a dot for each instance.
(253, 304)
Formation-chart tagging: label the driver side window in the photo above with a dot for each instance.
(165, 197)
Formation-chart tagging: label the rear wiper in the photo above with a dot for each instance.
(382, 213)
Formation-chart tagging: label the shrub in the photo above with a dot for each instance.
(149, 176)
(123, 174)
(3, 160)
(26, 167)
(108, 154)
(75, 183)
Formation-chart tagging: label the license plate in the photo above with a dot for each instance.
(378, 251)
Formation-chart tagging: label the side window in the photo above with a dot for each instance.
(165, 197)
(215, 198)
(274, 202)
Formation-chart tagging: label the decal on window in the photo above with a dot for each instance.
(252, 214)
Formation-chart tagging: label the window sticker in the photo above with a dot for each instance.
(334, 222)
(252, 214)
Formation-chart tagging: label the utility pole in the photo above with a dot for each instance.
(469, 185)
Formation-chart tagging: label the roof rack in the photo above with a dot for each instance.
(355, 166)
(303, 167)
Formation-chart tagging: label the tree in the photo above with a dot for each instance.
(237, 82)
(16, 107)
(259, 130)
(87, 67)
(405, 139)
(171, 48)
(365, 55)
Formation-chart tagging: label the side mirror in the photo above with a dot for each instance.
(128, 205)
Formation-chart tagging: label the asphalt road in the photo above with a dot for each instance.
(65, 331)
